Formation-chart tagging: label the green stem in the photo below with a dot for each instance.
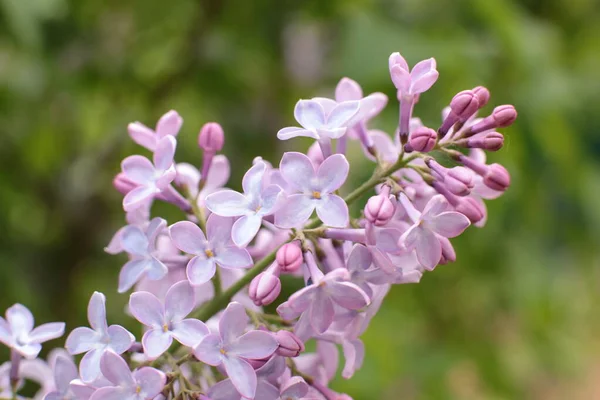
(217, 283)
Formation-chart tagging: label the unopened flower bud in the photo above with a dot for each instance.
(463, 105)
(423, 139)
(379, 209)
(483, 95)
(497, 178)
(501, 117)
(211, 137)
(264, 288)
(289, 257)
(289, 344)
(470, 208)
(458, 180)
(123, 184)
(256, 364)
(491, 141)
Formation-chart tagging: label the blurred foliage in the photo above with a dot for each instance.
(513, 318)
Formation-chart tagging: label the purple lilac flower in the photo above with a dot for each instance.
(166, 322)
(17, 331)
(98, 340)
(313, 190)
(168, 125)
(65, 371)
(258, 201)
(216, 248)
(143, 384)
(435, 219)
(150, 178)
(231, 347)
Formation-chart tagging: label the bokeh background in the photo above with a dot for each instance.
(514, 318)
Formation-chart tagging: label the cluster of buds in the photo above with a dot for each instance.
(199, 285)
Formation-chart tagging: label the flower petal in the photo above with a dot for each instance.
(233, 322)
(142, 135)
(138, 197)
(423, 76)
(164, 153)
(426, 245)
(297, 170)
(218, 230)
(309, 114)
(354, 353)
(332, 173)
(64, 372)
(359, 258)
(188, 237)
(333, 211)
(89, 367)
(138, 169)
(155, 342)
(435, 206)
(321, 313)
(189, 332)
(96, 312)
(348, 295)
(348, 89)
(116, 370)
(271, 198)
(200, 270)
(147, 309)
(233, 257)
(302, 299)
(82, 339)
(131, 273)
(294, 388)
(20, 319)
(46, 332)
(293, 131)
(400, 78)
(224, 390)
(219, 172)
(245, 228)
(449, 224)
(151, 382)
(227, 203)
(252, 180)
(208, 350)
(253, 345)
(242, 376)
(412, 212)
(342, 113)
(134, 241)
(169, 124)
(120, 339)
(112, 393)
(179, 301)
(295, 210)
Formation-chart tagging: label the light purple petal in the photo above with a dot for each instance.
(227, 203)
(188, 237)
(295, 210)
(224, 390)
(116, 370)
(208, 350)
(151, 381)
(218, 230)
(189, 332)
(5, 333)
(332, 173)
(218, 174)
(200, 270)
(381, 260)
(400, 78)
(253, 345)
(46, 332)
(348, 89)
(164, 153)
(325, 102)
(412, 212)
(96, 312)
(271, 198)
(142, 135)
(156, 270)
(266, 391)
(302, 299)
(233, 257)
(131, 273)
(245, 228)
(333, 211)
(242, 376)
(233, 322)
(449, 224)
(82, 339)
(372, 105)
(435, 206)
(397, 59)
(120, 339)
(138, 169)
(294, 388)
(112, 393)
(293, 131)
(138, 197)
(426, 245)
(321, 314)
(169, 124)
(423, 76)
(309, 114)
(348, 295)
(156, 341)
(89, 367)
(386, 149)
(359, 258)
(354, 353)
(147, 309)
(297, 170)
(20, 319)
(252, 180)
(134, 241)
(179, 301)
(64, 372)
(342, 113)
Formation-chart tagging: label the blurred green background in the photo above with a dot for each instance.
(514, 318)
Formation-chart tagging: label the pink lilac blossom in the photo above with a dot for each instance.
(204, 280)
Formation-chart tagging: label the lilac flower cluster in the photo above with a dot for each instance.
(200, 284)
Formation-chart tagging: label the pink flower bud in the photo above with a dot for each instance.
(470, 208)
(501, 117)
(497, 178)
(289, 344)
(289, 257)
(492, 141)
(256, 364)
(459, 181)
(423, 139)
(483, 95)
(264, 288)
(122, 184)
(379, 209)
(211, 137)
(464, 104)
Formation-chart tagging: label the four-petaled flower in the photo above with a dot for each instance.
(216, 248)
(314, 190)
(434, 220)
(143, 384)
(98, 340)
(411, 82)
(167, 321)
(318, 124)
(232, 346)
(17, 332)
(168, 125)
(258, 200)
(149, 178)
